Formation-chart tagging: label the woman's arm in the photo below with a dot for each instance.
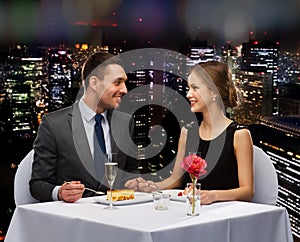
(243, 148)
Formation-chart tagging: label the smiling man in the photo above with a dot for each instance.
(69, 150)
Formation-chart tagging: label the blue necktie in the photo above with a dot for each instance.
(99, 154)
(99, 132)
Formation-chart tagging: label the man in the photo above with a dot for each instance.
(64, 147)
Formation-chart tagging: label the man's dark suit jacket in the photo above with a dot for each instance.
(62, 153)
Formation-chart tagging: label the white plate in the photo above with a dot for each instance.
(174, 195)
(139, 197)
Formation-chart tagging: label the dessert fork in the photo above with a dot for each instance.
(89, 189)
(94, 191)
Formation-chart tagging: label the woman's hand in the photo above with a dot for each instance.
(207, 197)
(141, 185)
(147, 186)
(134, 183)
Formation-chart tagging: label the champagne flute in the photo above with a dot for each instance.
(111, 170)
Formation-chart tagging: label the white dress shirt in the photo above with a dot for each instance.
(88, 119)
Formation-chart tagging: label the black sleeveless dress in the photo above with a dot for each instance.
(222, 170)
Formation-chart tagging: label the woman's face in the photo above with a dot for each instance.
(199, 95)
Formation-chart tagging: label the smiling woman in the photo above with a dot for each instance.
(225, 145)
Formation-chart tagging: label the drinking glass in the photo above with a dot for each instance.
(111, 170)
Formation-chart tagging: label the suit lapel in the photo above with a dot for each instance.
(81, 141)
(114, 147)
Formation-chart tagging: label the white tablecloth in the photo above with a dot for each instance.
(87, 221)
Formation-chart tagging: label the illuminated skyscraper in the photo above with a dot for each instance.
(59, 77)
(289, 67)
(201, 52)
(23, 80)
(262, 57)
(289, 106)
(149, 88)
(280, 138)
(142, 120)
(256, 90)
(149, 115)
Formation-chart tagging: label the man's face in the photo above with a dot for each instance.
(112, 87)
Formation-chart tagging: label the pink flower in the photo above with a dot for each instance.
(194, 165)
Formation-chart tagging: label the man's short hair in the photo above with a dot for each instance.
(96, 64)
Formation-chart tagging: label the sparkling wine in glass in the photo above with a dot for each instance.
(111, 170)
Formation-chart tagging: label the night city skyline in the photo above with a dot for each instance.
(222, 30)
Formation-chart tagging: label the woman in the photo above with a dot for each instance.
(226, 146)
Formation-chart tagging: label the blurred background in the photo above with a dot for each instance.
(43, 44)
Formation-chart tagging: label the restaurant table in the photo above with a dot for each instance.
(86, 220)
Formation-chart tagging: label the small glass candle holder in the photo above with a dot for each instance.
(161, 200)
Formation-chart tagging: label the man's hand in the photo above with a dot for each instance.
(71, 191)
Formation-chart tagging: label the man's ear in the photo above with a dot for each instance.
(93, 82)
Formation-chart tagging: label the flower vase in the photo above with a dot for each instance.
(192, 198)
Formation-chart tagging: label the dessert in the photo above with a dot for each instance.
(120, 195)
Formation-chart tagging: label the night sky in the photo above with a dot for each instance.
(163, 22)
